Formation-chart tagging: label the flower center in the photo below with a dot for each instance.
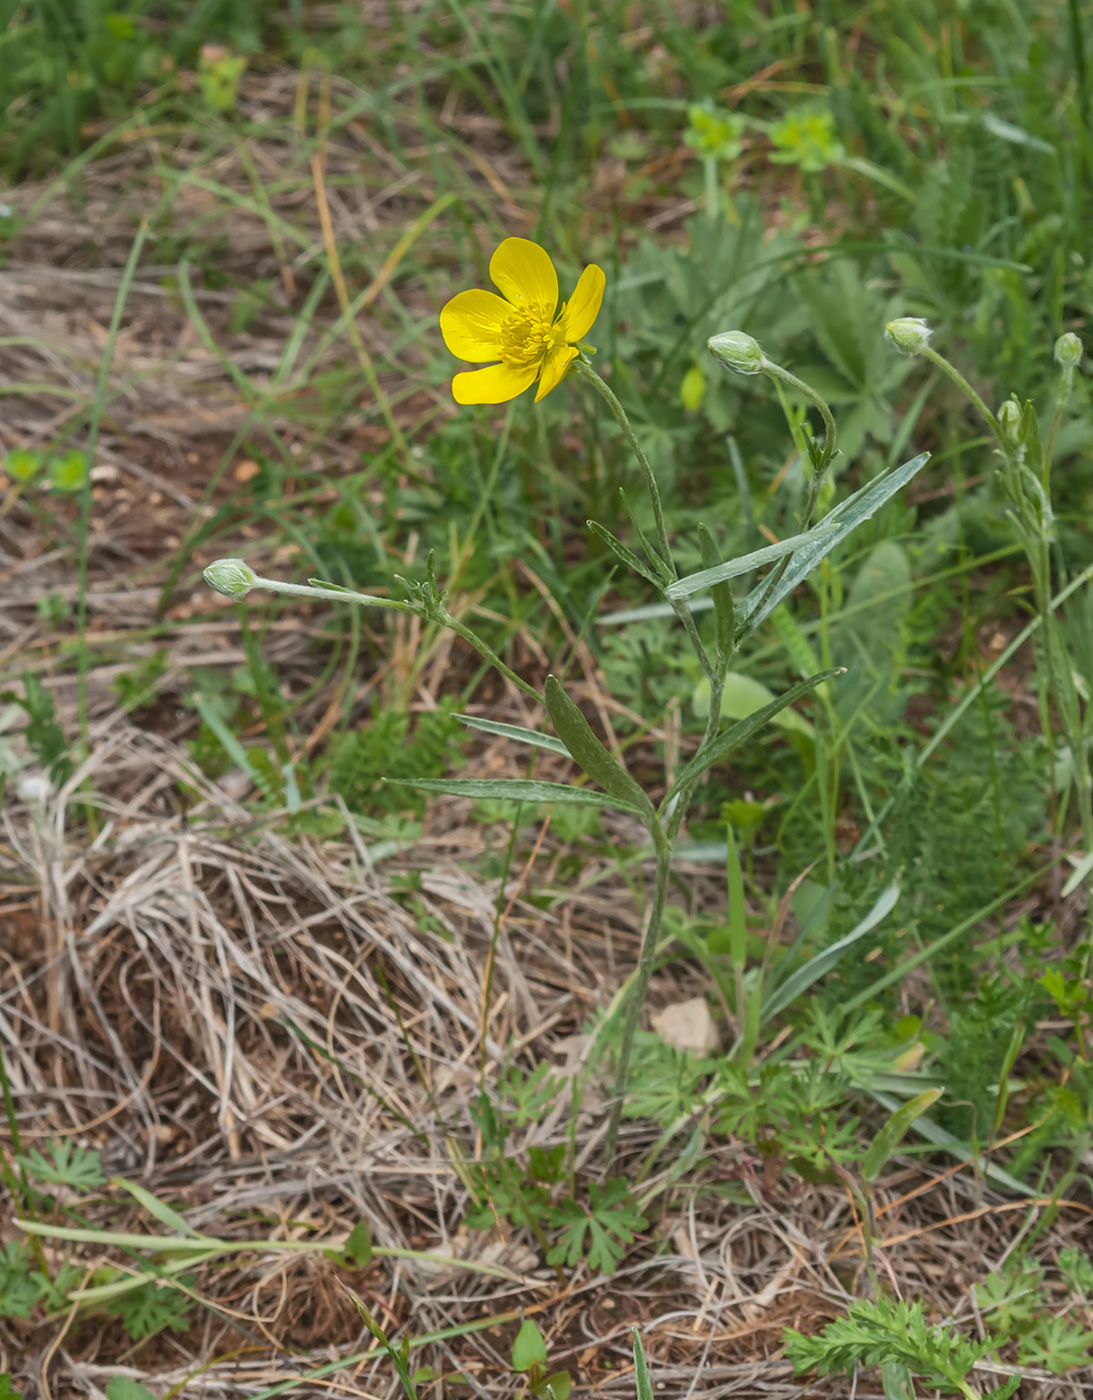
(529, 335)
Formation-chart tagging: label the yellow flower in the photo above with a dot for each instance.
(526, 330)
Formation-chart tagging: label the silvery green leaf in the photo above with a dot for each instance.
(799, 981)
(831, 531)
(514, 790)
(733, 568)
(516, 732)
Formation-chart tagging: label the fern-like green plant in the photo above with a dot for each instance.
(890, 1334)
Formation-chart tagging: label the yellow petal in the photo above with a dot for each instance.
(584, 305)
(471, 325)
(525, 274)
(555, 367)
(496, 384)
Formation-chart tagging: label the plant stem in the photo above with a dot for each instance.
(609, 397)
(665, 842)
(929, 353)
(488, 654)
(681, 610)
(1036, 541)
(649, 942)
(831, 435)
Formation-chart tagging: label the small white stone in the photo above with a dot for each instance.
(687, 1025)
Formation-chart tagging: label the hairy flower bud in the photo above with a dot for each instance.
(736, 351)
(1009, 420)
(1068, 351)
(232, 577)
(910, 334)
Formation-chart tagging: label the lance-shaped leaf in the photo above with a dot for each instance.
(733, 568)
(657, 562)
(741, 732)
(894, 1131)
(620, 551)
(516, 790)
(723, 602)
(642, 1384)
(576, 733)
(515, 731)
(807, 549)
(830, 532)
(799, 981)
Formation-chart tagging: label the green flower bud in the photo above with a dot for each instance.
(232, 577)
(1068, 351)
(1009, 420)
(910, 334)
(736, 351)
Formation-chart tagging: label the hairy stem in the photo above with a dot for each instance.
(583, 368)
(641, 986)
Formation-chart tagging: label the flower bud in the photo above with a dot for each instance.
(1068, 351)
(1009, 420)
(910, 334)
(232, 577)
(736, 351)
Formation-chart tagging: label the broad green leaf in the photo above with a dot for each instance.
(893, 1132)
(515, 790)
(516, 732)
(123, 1388)
(557, 1386)
(741, 697)
(529, 1347)
(357, 1250)
(740, 733)
(817, 967)
(601, 767)
(896, 1381)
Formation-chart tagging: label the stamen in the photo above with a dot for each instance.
(529, 335)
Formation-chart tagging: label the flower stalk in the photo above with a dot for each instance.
(1026, 482)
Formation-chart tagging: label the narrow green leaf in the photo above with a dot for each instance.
(515, 790)
(723, 603)
(824, 961)
(893, 1132)
(660, 566)
(831, 531)
(576, 733)
(733, 568)
(620, 551)
(642, 1384)
(516, 732)
(807, 549)
(162, 1212)
(943, 1139)
(740, 733)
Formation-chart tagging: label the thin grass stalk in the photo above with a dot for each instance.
(84, 527)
